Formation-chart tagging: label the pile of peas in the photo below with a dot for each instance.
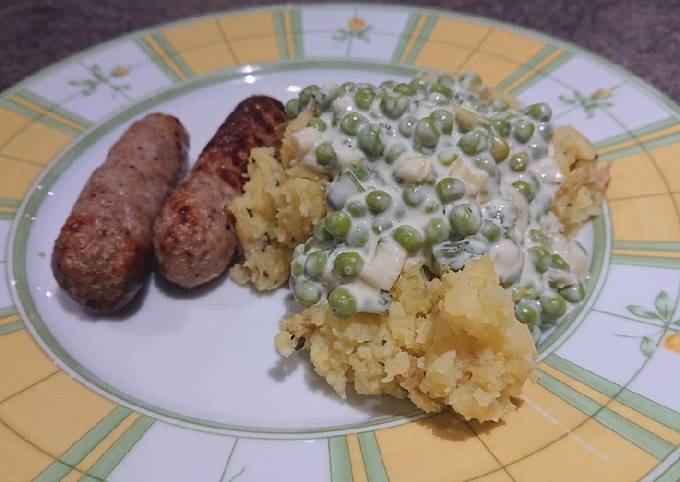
(365, 204)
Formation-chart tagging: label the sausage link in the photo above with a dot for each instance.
(104, 250)
(194, 237)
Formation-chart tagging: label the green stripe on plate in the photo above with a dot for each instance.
(522, 69)
(338, 455)
(405, 36)
(52, 107)
(648, 245)
(280, 27)
(296, 25)
(40, 117)
(7, 310)
(370, 453)
(10, 202)
(537, 75)
(649, 261)
(425, 32)
(632, 432)
(79, 450)
(651, 144)
(110, 460)
(174, 55)
(160, 63)
(640, 131)
(8, 328)
(664, 415)
(671, 474)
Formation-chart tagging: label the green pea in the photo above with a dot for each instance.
(441, 89)
(490, 231)
(488, 165)
(446, 157)
(342, 303)
(408, 237)
(293, 108)
(444, 120)
(405, 89)
(348, 87)
(387, 84)
(450, 189)
(413, 194)
(370, 141)
(546, 130)
(552, 305)
(539, 111)
(538, 236)
(519, 161)
(573, 293)
(525, 189)
(338, 224)
(315, 264)
(319, 233)
(348, 265)
(297, 268)
(465, 219)
(394, 151)
(519, 292)
(523, 130)
(501, 126)
(364, 97)
(378, 201)
(426, 133)
(420, 83)
(528, 312)
(432, 207)
(326, 98)
(541, 257)
(471, 142)
(317, 124)
(499, 148)
(470, 79)
(325, 154)
(356, 209)
(306, 292)
(500, 105)
(393, 107)
(357, 236)
(306, 95)
(380, 225)
(360, 172)
(558, 262)
(407, 125)
(351, 123)
(437, 230)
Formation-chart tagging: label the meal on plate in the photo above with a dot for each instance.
(426, 228)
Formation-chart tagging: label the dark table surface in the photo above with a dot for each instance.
(643, 36)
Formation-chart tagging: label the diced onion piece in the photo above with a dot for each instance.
(474, 179)
(304, 141)
(385, 267)
(508, 259)
(412, 167)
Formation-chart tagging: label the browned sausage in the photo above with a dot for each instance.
(104, 250)
(194, 238)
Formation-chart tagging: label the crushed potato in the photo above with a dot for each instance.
(587, 178)
(449, 342)
(277, 211)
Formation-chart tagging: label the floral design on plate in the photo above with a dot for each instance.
(356, 28)
(89, 86)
